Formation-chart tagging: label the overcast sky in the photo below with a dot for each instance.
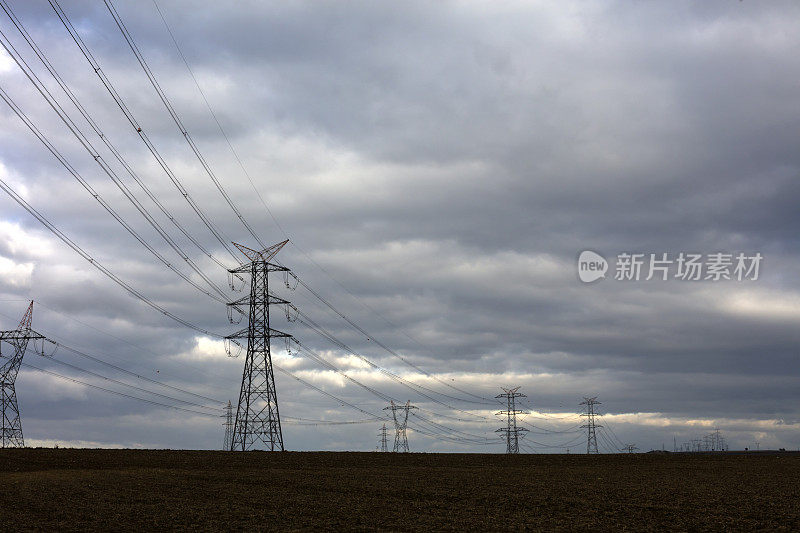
(438, 167)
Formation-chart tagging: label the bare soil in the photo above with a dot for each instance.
(64, 489)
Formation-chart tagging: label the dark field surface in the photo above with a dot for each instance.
(153, 490)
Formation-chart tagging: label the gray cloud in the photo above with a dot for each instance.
(446, 163)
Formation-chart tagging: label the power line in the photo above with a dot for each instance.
(219, 125)
(318, 422)
(619, 442)
(140, 389)
(316, 327)
(66, 164)
(176, 118)
(85, 255)
(96, 359)
(50, 372)
(449, 430)
(307, 384)
(322, 391)
(93, 124)
(316, 357)
(312, 422)
(269, 211)
(116, 367)
(292, 419)
(406, 383)
(106, 169)
(385, 397)
(373, 391)
(371, 338)
(555, 446)
(384, 348)
(607, 443)
(86, 52)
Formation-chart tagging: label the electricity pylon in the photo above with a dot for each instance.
(590, 425)
(226, 445)
(257, 415)
(511, 430)
(382, 435)
(630, 448)
(717, 441)
(400, 424)
(18, 338)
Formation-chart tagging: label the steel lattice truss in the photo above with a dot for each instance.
(384, 443)
(11, 423)
(257, 416)
(400, 425)
(511, 431)
(591, 425)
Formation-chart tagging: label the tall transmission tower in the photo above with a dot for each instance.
(400, 424)
(226, 445)
(384, 443)
(630, 448)
(18, 338)
(511, 430)
(590, 425)
(257, 415)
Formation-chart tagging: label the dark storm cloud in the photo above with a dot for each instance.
(446, 163)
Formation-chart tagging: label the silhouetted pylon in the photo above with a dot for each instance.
(11, 436)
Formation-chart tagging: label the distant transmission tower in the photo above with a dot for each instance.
(718, 441)
(400, 424)
(257, 416)
(630, 448)
(590, 425)
(18, 338)
(228, 426)
(511, 430)
(384, 443)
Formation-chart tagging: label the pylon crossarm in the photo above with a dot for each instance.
(242, 334)
(264, 255)
(17, 335)
(251, 254)
(248, 268)
(245, 301)
(270, 252)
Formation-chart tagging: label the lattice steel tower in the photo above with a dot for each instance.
(384, 443)
(257, 416)
(18, 338)
(590, 425)
(400, 424)
(226, 445)
(511, 430)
